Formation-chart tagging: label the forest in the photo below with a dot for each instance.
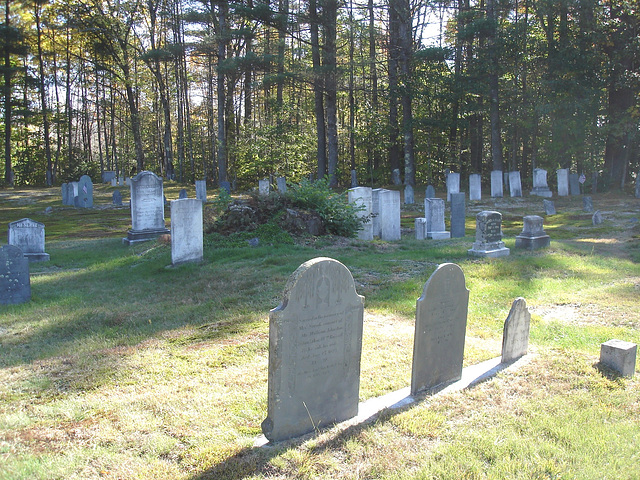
(373, 91)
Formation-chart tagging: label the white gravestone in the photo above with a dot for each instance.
(421, 228)
(441, 323)
(434, 213)
(389, 217)
(475, 187)
(362, 197)
(147, 208)
(453, 184)
(533, 235)
(488, 236)
(563, 182)
(540, 187)
(375, 210)
(28, 235)
(408, 195)
(515, 335)
(186, 231)
(620, 356)
(264, 187)
(515, 186)
(496, 183)
(315, 344)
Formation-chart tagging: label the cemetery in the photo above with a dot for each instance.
(243, 335)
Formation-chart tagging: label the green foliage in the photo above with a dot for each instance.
(267, 234)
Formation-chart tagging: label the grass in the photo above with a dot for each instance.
(122, 368)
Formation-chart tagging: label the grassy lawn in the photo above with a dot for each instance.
(122, 368)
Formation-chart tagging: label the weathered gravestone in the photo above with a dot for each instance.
(354, 179)
(408, 195)
(515, 186)
(533, 235)
(496, 183)
(114, 182)
(637, 187)
(574, 184)
(107, 176)
(15, 286)
(182, 194)
(549, 207)
(281, 183)
(84, 198)
(63, 191)
(441, 323)
(226, 186)
(315, 344)
(421, 228)
(395, 176)
(475, 187)
(596, 219)
(375, 210)
(515, 336)
(453, 184)
(540, 186)
(28, 235)
(563, 182)
(186, 231)
(264, 187)
(430, 192)
(587, 204)
(488, 236)
(71, 193)
(147, 208)
(201, 190)
(457, 215)
(434, 213)
(362, 197)
(389, 215)
(117, 198)
(620, 356)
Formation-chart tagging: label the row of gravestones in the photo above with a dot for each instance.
(78, 194)
(264, 186)
(315, 344)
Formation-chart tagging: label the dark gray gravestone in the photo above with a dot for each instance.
(28, 236)
(533, 235)
(281, 183)
(488, 236)
(549, 207)
(563, 182)
(596, 219)
(395, 177)
(441, 323)
(84, 199)
(201, 190)
(315, 342)
(107, 176)
(574, 183)
(430, 192)
(587, 204)
(457, 215)
(637, 186)
(408, 195)
(515, 336)
(226, 186)
(15, 286)
(354, 179)
(594, 183)
(117, 197)
(63, 191)
(182, 194)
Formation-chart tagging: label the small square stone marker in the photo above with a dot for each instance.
(620, 356)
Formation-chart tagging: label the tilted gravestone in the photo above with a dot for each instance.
(563, 182)
(116, 198)
(395, 176)
(408, 195)
(186, 231)
(362, 197)
(84, 198)
(475, 187)
(147, 208)
(587, 204)
(596, 219)
(182, 194)
(441, 323)
(496, 183)
(315, 344)
(434, 213)
(15, 285)
(549, 207)
(389, 215)
(533, 235)
(515, 336)
(453, 184)
(28, 235)
(540, 187)
(457, 215)
(201, 190)
(488, 236)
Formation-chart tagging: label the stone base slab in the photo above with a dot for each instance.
(439, 235)
(37, 257)
(541, 192)
(532, 243)
(497, 252)
(144, 235)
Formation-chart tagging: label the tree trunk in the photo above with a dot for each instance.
(496, 139)
(222, 49)
(318, 91)
(394, 131)
(7, 103)
(330, 18)
(406, 49)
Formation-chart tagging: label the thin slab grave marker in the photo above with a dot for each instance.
(201, 190)
(28, 235)
(533, 235)
(116, 198)
(186, 231)
(408, 195)
(453, 184)
(434, 213)
(315, 346)
(563, 182)
(515, 185)
(488, 236)
(182, 194)
(574, 184)
(549, 207)
(281, 183)
(475, 187)
(515, 335)
(596, 219)
(540, 186)
(587, 204)
(375, 211)
(496, 183)
(457, 215)
(441, 324)
(147, 208)
(15, 284)
(264, 187)
(389, 215)
(420, 224)
(430, 192)
(362, 197)
(84, 197)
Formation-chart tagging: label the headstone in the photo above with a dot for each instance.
(182, 194)
(263, 187)
(226, 186)
(441, 323)
(430, 192)
(73, 193)
(315, 344)
(488, 236)
(281, 182)
(515, 336)
(596, 219)
(147, 208)
(594, 183)
(637, 186)
(114, 182)
(354, 179)
(186, 231)
(28, 236)
(515, 187)
(65, 195)
(475, 187)
(421, 228)
(563, 182)
(48, 210)
(453, 184)
(84, 199)
(587, 204)
(505, 178)
(549, 207)
(375, 211)
(457, 215)
(362, 196)
(117, 198)
(434, 213)
(201, 190)
(496, 183)
(408, 195)
(108, 176)
(540, 186)
(620, 356)
(533, 235)
(15, 285)
(395, 176)
(574, 183)
(389, 204)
